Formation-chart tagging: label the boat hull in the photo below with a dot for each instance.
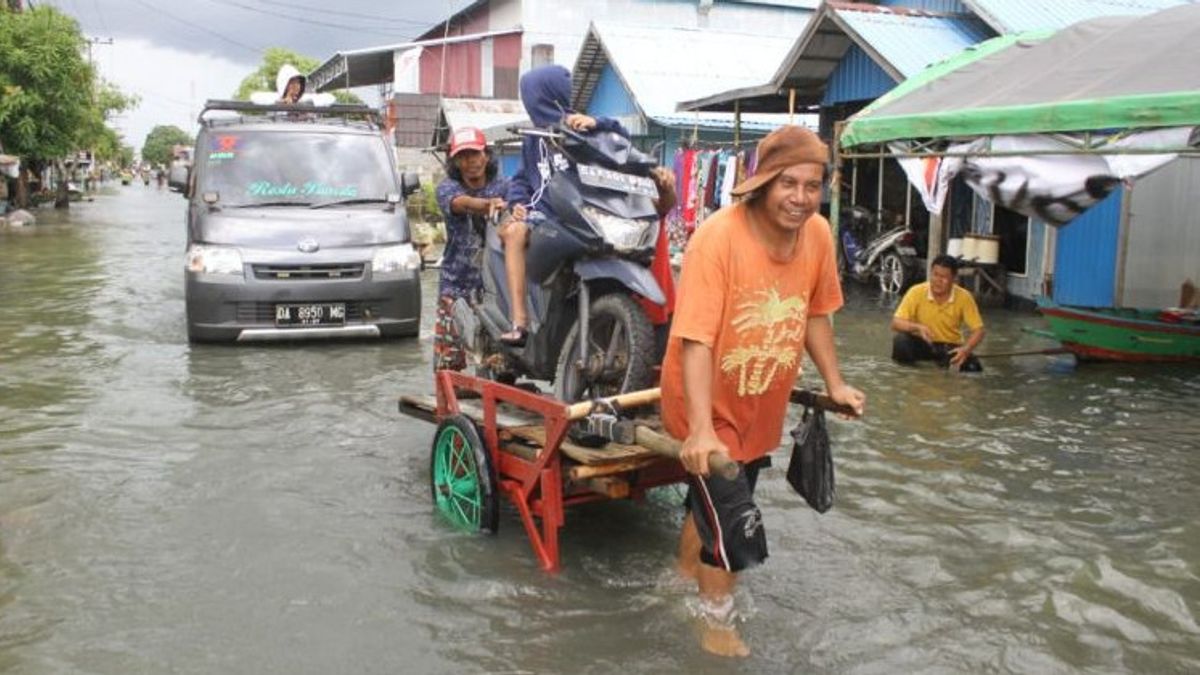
(1121, 334)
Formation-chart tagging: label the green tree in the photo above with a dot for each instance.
(105, 143)
(263, 79)
(46, 87)
(161, 141)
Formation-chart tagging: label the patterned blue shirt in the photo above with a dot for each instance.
(461, 276)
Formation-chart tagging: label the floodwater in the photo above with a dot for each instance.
(166, 508)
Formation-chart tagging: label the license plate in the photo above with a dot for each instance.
(597, 176)
(333, 314)
(906, 250)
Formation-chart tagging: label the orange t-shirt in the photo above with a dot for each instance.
(752, 310)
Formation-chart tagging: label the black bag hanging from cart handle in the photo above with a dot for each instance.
(810, 472)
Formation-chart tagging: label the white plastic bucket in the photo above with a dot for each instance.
(970, 247)
(988, 249)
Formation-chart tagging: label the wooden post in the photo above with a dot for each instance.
(935, 238)
(791, 104)
(835, 185)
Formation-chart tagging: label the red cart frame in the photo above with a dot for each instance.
(542, 486)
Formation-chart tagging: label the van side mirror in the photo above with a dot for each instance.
(409, 183)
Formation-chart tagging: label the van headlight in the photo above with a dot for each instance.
(214, 260)
(625, 234)
(395, 260)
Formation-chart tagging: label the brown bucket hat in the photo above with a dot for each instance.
(783, 148)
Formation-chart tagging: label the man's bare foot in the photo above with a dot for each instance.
(721, 640)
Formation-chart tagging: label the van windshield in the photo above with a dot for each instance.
(294, 167)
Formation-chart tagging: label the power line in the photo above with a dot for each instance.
(353, 15)
(196, 26)
(312, 22)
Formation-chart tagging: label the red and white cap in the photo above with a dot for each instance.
(467, 138)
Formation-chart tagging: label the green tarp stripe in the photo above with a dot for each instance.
(1128, 112)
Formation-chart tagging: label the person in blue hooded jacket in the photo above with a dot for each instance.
(546, 93)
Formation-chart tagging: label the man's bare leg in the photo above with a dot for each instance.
(515, 237)
(688, 561)
(718, 632)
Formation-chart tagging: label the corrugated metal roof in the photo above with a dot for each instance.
(493, 116)
(909, 42)
(1016, 16)
(762, 123)
(901, 40)
(798, 4)
(663, 66)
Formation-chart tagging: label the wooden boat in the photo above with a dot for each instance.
(1119, 334)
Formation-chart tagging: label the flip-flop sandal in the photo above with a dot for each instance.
(515, 337)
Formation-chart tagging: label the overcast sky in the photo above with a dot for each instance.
(175, 54)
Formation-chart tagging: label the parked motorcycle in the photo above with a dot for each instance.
(586, 264)
(889, 258)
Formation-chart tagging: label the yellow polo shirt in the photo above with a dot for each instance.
(944, 320)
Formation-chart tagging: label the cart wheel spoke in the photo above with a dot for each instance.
(461, 480)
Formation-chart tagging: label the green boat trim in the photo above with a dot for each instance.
(1116, 334)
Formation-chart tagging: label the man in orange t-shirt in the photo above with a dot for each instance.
(759, 282)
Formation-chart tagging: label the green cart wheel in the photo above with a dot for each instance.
(462, 482)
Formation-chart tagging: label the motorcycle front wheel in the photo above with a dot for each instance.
(620, 353)
(891, 274)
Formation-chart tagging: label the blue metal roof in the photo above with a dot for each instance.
(929, 5)
(909, 42)
(1017, 16)
(856, 78)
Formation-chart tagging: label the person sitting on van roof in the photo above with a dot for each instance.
(290, 84)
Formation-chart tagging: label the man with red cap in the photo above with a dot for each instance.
(472, 189)
(758, 285)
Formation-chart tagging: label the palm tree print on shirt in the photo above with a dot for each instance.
(770, 333)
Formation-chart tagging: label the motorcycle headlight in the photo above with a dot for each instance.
(214, 260)
(623, 233)
(395, 260)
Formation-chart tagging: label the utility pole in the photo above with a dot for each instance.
(96, 41)
(92, 151)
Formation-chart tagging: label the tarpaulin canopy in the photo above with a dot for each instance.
(1111, 73)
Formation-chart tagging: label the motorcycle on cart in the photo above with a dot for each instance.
(587, 265)
(888, 258)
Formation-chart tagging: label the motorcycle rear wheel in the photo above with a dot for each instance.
(620, 352)
(892, 274)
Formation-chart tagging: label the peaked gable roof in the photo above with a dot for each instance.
(902, 41)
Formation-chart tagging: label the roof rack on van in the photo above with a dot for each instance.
(339, 110)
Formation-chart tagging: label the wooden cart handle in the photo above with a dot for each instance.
(631, 399)
(812, 399)
(666, 446)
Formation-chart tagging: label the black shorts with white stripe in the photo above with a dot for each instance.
(728, 520)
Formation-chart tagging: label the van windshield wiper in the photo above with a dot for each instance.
(251, 205)
(352, 200)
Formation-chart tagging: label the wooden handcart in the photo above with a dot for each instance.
(494, 439)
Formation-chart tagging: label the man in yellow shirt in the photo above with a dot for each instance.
(929, 321)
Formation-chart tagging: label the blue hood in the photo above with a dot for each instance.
(546, 93)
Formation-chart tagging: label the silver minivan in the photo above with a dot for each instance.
(297, 227)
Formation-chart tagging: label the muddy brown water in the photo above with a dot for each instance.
(166, 508)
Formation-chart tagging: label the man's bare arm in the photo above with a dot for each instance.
(697, 394)
(818, 341)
